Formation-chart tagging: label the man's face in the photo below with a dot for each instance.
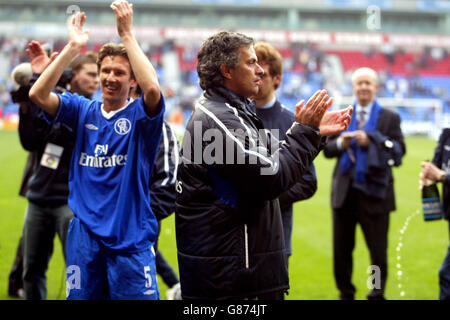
(115, 79)
(365, 87)
(85, 80)
(267, 84)
(245, 78)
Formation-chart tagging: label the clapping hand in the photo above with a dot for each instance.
(334, 122)
(315, 114)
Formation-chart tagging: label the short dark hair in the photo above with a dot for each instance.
(112, 49)
(221, 48)
(82, 59)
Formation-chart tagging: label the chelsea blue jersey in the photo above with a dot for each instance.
(110, 170)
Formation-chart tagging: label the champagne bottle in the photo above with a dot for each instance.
(431, 202)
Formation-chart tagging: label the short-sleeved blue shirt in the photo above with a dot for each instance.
(110, 170)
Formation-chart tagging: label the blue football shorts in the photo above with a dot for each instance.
(95, 272)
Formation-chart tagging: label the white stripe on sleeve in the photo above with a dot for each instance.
(228, 133)
(166, 155)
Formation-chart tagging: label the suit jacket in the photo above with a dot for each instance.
(385, 150)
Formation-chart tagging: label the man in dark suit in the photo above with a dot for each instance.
(362, 188)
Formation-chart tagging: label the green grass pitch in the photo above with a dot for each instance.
(421, 251)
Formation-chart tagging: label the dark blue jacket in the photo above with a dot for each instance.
(279, 117)
(442, 160)
(162, 181)
(45, 186)
(228, 223)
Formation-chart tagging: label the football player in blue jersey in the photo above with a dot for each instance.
(110, 240)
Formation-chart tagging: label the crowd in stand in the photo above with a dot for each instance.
(402, 74)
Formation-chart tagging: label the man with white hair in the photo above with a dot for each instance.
(362, 189)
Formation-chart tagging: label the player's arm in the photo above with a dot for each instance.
(41, 92)
(142, 68)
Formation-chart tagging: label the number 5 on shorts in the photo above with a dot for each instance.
(148, 277)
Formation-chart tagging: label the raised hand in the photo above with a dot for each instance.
(315, 114)
(124, 16)
(38, 57)
(334, 122)
(77, 37)
(311, 114)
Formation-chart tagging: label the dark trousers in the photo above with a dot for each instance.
(269, 296)
(444, 276)
(15, 276)
(41, 225)
(375, 229)
(275, 295)
(165, 270)
(287, 218)
(162, 267)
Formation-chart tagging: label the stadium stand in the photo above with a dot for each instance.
(321, 42)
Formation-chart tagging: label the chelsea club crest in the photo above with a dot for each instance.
(122, 126)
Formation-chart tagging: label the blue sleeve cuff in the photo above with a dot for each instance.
(161, 107)
(48, 118)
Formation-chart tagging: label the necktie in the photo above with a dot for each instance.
(362, 119)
